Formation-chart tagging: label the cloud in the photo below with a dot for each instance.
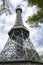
(28, 11)
(40, 50)
(6, 22)
(3, 40)
(16, 2)
(36, 37)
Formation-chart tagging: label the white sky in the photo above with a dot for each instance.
(6, 22)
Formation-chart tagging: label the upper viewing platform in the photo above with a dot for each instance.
(18, 8)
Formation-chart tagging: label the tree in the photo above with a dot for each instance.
(38, 17)
(36, 2)
(4, 8)
(41, 57)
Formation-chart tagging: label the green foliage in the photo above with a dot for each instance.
(39, 3)
(41, 56)
(38, 17)
(1, 59)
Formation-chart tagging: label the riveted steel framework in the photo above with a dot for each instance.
(19, 46)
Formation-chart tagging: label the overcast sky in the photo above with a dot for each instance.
(6, 22)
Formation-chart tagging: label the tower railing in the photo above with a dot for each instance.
(23, 62)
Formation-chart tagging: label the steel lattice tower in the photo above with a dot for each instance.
(18, 42)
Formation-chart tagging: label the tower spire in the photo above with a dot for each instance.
(19, 26)
(18, 21)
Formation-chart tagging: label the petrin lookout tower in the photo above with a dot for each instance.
(20, 31)
(18, 45)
